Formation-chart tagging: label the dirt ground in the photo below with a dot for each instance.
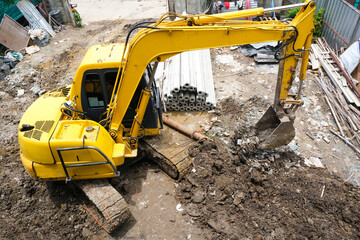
(233, 191)
(236, 191)
(94, 10)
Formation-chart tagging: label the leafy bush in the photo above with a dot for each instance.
(78, 19)
(9, 2)
(317, 19)
(292, 13)
(318, 22)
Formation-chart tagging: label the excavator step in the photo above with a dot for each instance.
(108, 201)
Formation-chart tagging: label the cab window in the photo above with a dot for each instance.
(110, 78)
(94, 91)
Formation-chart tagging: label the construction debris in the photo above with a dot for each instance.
(13, 35)
(265, 58)
(339, 96)
(4, 70)
(351, 57)
(315, 64)
(32, 49)
(40, 37)
(33, 16)
(187, 82)
(328, 61)
(268, 48)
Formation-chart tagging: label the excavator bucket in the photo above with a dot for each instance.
(274, 131)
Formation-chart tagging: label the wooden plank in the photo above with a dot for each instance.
(355, 110)
(13, 35)
(336, 78)
(314, 62)
(334, 115)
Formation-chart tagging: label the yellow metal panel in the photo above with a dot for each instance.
(75, 134)
(34, 144)
(106, 53)
(56, 171)
(27, 165)
(97, 57)
(69, 132)
(118, 154)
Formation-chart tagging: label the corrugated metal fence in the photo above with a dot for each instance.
(341, 22)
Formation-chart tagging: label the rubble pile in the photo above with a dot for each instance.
(237, 191)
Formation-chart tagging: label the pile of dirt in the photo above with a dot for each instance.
(237, 191)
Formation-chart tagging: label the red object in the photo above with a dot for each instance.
(248, 6)
(227, 5)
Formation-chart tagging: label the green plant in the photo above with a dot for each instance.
(6, 4)
(78, 19)
(318, 22)
(317, 19)
(293, 12)
(9, 2)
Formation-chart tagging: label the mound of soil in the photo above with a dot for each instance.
(239, 192)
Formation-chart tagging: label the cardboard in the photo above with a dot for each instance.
(13, 35)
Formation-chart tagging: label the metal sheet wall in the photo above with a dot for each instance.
(343, 20)
(11, 10)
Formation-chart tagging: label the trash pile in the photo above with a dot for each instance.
(262, 52)
(8, 62)
(20, 40)
(341, 90)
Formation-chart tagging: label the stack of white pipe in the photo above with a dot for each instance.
(187, 82)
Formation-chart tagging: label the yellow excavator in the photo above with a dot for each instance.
(88, 129)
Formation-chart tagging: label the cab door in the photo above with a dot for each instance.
(93, 97)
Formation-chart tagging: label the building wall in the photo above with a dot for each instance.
(64, 7)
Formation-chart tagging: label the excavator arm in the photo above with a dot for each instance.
(161, 40)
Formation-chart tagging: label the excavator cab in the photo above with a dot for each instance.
(97, 88)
